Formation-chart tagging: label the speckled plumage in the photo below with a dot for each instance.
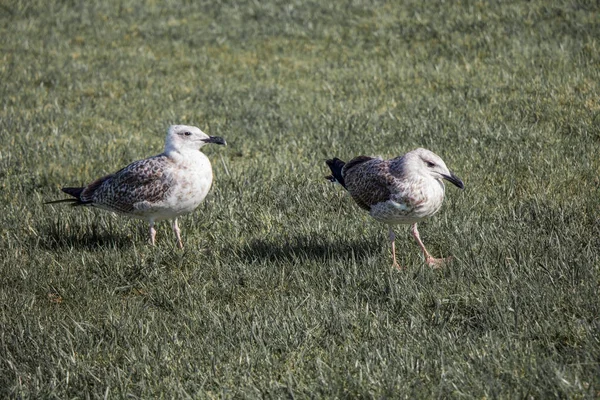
(134, 189)
(161, 187)
(403, 190)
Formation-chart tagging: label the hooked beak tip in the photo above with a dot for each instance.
(215, 140)
(455, 180)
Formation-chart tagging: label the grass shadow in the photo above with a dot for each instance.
(311, 248)
(92, 238)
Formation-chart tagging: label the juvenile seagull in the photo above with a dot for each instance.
(403, 190)
(165, 186)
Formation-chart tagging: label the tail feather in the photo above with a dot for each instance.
(73, 191)
(72, 201)
(336, 165)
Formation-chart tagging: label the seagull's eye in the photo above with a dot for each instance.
(187, 133)
(430, 164)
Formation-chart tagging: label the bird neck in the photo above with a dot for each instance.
(179, 153)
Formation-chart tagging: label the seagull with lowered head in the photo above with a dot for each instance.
(403, 190)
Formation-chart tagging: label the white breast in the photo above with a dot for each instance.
(412, 203)
(192, 179)
(433, 197)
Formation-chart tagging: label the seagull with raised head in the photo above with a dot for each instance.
(164, 186)
(403, 190)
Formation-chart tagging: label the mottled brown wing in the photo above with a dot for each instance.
(141, 181)
(368, 180)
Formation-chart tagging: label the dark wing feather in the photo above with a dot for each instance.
(336, 166)
(356, 161)
(141, 181)
(73, 191)
(368, 181)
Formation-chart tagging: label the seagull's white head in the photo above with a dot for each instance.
(426, 163)
(183, 137)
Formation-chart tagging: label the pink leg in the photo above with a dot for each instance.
(393, 240)
(152, 233)
(177, 233)
(431, 261)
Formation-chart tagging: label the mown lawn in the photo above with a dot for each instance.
(285, 287)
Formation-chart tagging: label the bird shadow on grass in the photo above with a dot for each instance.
(91, 238)
(311, 248)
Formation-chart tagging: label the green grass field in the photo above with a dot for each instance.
(285, 288)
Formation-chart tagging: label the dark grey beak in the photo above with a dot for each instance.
(215, 140)
(454, 180)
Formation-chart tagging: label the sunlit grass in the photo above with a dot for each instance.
(285, 287)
